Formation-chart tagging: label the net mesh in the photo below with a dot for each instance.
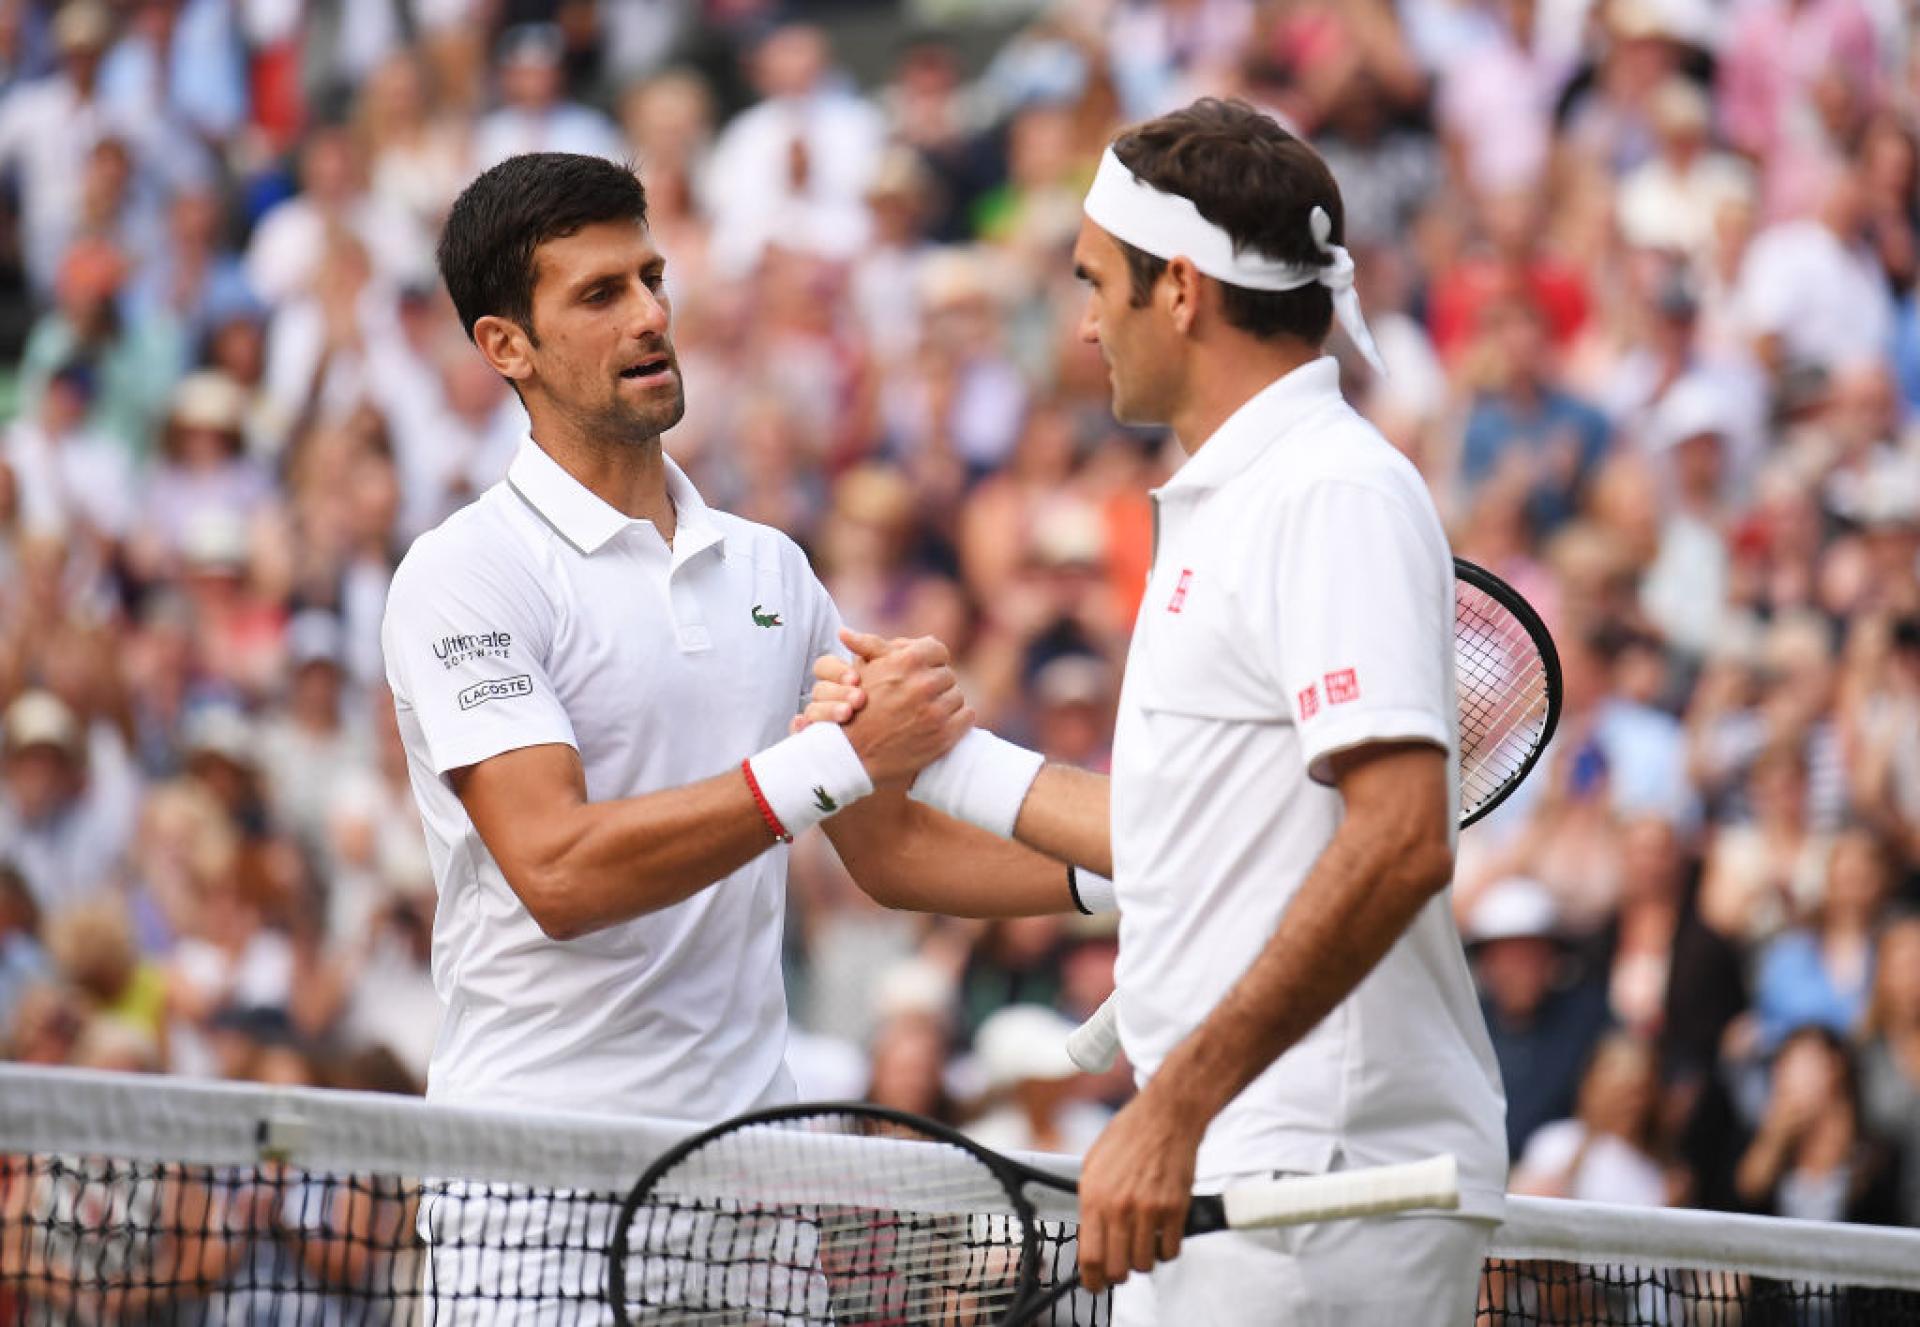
(144, 1201)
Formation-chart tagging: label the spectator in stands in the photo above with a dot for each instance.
(1609, 1151)
(47, 127)
(191, 275)
(795, 165)
(1669, 201)
(1811, 1156)
(135, 364)
(1811, 293)
(1032, 1086)
(417, 156)
(180, 61)
(908, 1054)
(73, 482)
(1822, 973)
(289, 246)
(1543, 1015)
(533, 115)
(92, 946)
(1521, 418)
(203, 478)
(305, 756)
(63, 822)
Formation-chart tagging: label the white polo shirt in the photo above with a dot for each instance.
(540, 614)
(1300, 603)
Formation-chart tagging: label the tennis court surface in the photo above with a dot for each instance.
(129, 1199)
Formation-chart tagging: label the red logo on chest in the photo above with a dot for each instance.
(1309, 701)
(1342, 687)
(1180, 590)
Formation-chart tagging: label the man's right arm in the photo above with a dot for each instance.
(580, 866)
(468, 639)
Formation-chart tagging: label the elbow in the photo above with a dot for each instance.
(557, 925)
(555, 908)
(1423, 867)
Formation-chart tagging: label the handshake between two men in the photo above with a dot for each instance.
(902, 711)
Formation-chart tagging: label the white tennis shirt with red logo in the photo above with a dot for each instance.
(1300, 604)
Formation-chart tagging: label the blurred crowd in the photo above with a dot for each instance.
(1643, 272)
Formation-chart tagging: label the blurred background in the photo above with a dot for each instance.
(1643, 271)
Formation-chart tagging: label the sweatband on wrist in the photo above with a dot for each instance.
(801, 780)
(982, 781)
(1092, 892)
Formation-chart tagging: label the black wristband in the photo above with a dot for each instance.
(1073, 889)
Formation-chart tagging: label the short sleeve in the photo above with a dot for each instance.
(466, 642)
(1363, 616)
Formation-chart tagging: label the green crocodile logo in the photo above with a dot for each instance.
(826, 804)
(761, 619)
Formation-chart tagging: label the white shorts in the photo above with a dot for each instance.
(1419, 1271)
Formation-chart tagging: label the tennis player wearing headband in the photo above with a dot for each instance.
(1291, 989)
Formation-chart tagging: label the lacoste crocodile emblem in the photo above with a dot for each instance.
(826, 804)
(761, 619)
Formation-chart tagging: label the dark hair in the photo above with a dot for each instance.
(1255, 181)
(487, 248)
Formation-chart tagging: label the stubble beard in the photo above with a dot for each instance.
(622, 424)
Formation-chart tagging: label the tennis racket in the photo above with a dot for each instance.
(849, 1214)
(1507, 685)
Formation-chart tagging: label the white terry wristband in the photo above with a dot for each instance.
(805, 778)
(1092, 893)
(982, 781)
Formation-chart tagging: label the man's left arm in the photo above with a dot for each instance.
(906, 855)
(1391, 854)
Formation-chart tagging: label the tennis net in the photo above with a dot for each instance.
(133, 1199)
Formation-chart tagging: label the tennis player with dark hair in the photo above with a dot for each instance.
(1291, 988)
(595, 675)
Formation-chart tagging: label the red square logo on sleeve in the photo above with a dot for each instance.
(1309, 701)
(1342, 687)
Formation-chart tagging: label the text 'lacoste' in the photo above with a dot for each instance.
(499, 689)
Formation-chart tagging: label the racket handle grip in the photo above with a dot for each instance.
(1339, 1195)
(1095, 1044)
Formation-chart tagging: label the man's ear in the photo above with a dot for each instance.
(506, 345)
(1180, 288)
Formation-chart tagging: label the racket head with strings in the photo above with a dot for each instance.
(1507, 678)
(855, 1214)
(794, 1215)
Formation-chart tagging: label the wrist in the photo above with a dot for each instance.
(1186, 1107)
(801, 780)
(983, 780)
(1093, 894)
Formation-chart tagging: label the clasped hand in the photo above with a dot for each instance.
(898, 699)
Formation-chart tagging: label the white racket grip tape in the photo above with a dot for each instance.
(1094, 1045)
(1433, 1183)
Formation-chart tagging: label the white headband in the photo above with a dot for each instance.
(1169, 226)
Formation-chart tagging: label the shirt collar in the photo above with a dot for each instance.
(1266, 415)
(587, 521)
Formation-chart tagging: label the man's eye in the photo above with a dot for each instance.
(598, 296)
